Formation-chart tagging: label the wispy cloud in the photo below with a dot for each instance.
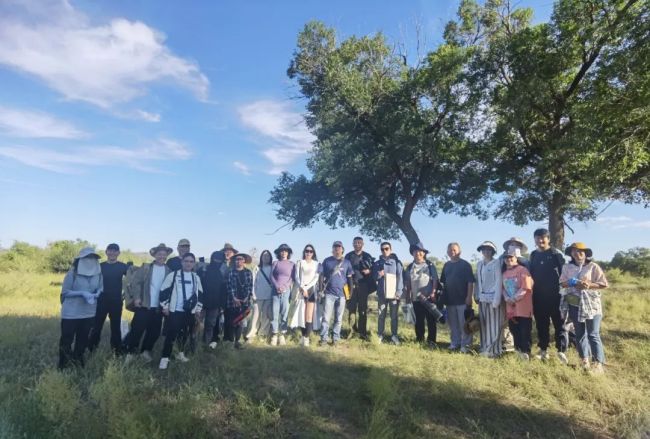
(104, 64)
(286, 130)
(623, 222)
(31, 124)
(78, 160)
(242, 167)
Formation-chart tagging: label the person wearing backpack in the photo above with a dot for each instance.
(546, 267)
(364, 285)
(180, 301)
(213, 282)
(142, 296)
(336, 274)
(420, 282)
(388, 272)
(262, 298)
(81, 288)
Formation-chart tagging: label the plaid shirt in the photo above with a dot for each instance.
(590, 304)
(238, 289)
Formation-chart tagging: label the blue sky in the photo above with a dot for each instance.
(141, 122)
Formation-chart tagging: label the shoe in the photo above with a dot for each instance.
(453, 348)
(250, 340)
(164, 362)
(322, 342)
(212, 345)
(305, 342)
(395, 340)
(464, 350)
(146, 356)
(542, 355)
(238, 345)
(562, 357)
(585, 365)
(129, 358)
(282, 341)
(274, 340)
(523, 356)
(335, 343)
(432, 345)
(486, 354)
(182, 358)
(597, 368)
(380, 339)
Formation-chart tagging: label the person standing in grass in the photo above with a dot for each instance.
(583, 279)
(518, 294)
(110, 302)
(214, 303)
(388, 272)
(488, 297)
(181, 302)
(240, 292)
(458, 288)
(364, 285)
(263, 298)
(281, 276)
(421, 281)
(306, 276)
(81, 288)
(545, 268)
(143, 298)
(183, 247)
(228, 264)
(336, 273)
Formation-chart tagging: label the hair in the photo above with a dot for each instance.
(504, 266)
(357, 238)
(541, 232)
(451, 244)
(289, 253)
(265, 252)
(189, 255)
(493, 251)
(385, 243)
(314, 257)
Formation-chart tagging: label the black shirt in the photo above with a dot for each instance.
(360, 262)
(174, 263)
(545, 268)
(112, 274)
(456, 277)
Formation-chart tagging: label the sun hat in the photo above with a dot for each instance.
(579, 246)
(283, 247)
(228, 246)
(487, 244)
(247, 258)
(86, 252)
(159, 247)
(418, 246)
(517, 241)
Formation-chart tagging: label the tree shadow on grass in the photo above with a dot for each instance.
(257, 392)
(627, 335)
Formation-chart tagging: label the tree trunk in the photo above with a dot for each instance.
(556, 221)
(407, 228)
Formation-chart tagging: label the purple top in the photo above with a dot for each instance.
(281, 275)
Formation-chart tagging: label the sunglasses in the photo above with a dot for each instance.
(309, 251)
(385, 249)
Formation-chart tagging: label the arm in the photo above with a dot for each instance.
(525, 285)
(399, 268)
(350, 276)
(167, 284)
(499, 288)
(249, 285)
(66, 288)
(470, 286)
(231, 285)
(598, 280)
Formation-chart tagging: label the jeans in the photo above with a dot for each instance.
(334, 305)
(147, 321)
(588, 336)
(456, 322)
(112, 309)
(421, 314)
(280, 312)
(73, 330)
(546, 310)
(381, 318)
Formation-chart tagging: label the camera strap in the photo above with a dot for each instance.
(183, 286)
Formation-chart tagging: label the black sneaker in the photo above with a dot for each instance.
(322, 342)
(238, 345)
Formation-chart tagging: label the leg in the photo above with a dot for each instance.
(455, 317)
(82, 331)
(339, 308)
(381, 316)
(284, 312)
(255, 318)
(362, 321)
(525, 336)
(466, 339)
(542, 317)
(595, 342)
(65, 342)
(115, 314)
(394, 317)
(275, 323)
(483, 313)
(327, 315)
(419, 311)
(352, 305)
(98, 324)
(266, 315)
(582, 343)
(152, 332)
(561, 334)
(173, 325)
(211, 320)
(138, 327)
(514, 330)
(432, 330)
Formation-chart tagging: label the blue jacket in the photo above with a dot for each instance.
(390, 265)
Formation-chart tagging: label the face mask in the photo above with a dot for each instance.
(88, 267)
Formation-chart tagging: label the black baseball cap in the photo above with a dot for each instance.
(541, 232)
(113, 246)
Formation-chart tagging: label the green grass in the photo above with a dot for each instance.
(355, 390)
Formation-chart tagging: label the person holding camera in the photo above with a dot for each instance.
(240, 292)
(363, 286)
(388, 272)
(420, 282)
(180, 302)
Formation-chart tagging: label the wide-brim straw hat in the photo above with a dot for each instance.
(228, 246)
(247, 258)
(159, 247)
(519, 241)
(282, 247)
(579, 246)
(487, 244)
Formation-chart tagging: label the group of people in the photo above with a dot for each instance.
(228, 299)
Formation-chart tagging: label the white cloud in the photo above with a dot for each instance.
(286, 129)
(149, 117)
(242, 167)
(623, 222)
(613, 219)
(32, 124)
(104, 64)
(78, 160)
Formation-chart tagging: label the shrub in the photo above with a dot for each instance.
(24, 257)
(634, 261)
(62, 253)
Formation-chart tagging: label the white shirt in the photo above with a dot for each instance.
(489, 282)
(157, 278)
(262, 286)
(419, 279)
(306, 274)
(189, 289)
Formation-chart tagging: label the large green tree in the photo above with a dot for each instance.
(391, 137)
(567, 105)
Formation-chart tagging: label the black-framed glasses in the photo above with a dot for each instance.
(385, 249)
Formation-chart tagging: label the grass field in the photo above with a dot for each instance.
(354, 390)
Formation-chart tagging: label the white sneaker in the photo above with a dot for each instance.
(306, 342)
(542, 355)
(129, 358)
(464, 350)
(146, 356)
(597, 368)
(274, 340)
(562, 357)
(282, 341)
(523, 356)
(585, 365)
(164, 362)
(182, 358)
(212, 345)
(395, 340)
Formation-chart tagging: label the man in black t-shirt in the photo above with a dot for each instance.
(110, 300)
(545, 268)
(364, 285)
(183, 247)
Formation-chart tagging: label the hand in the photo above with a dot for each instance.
(468, 301)
(365, 272)
(89, 297)
(165, 311)
(582, 285)
(381, 273)
(305, 294)
(197, 308)
(137, 303)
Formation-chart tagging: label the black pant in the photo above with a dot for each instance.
(227, 327)
(359, 302)
(421, 314)
(176, 323)
(112, 309)
(521, 328)
(147, 321)
(77, 331)
(547, 309)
